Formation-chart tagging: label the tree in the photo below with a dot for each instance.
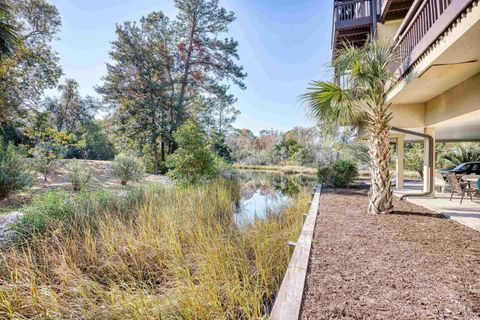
(138, 85)
(414, 157)
(97, 145)
(70, 111)
(462, 152)
(193, 161)
(8, 35)
(33, 66)
(368, 77)
(49, 144)
(163, 70)
(204, 60)
(14, 173)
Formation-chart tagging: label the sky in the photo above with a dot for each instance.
(283, 46)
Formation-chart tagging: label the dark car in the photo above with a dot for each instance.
(466, 168)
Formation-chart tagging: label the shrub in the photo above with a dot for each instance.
(324, 173)
(193, 161)
(79, 175)
(14, 173)
(76, 211)
(128, 168)
(53, 205)
(340, 173)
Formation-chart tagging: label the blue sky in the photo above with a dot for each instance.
(283, 45)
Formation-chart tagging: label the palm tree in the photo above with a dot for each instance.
(363, 78)
(8, 36)
(463, 152)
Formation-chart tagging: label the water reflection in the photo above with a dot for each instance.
(264, 193)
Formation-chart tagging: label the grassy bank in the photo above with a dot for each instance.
(282, 169)
(163, 253)
(363, 174)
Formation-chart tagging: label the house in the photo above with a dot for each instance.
(438, 89)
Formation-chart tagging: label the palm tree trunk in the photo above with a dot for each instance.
(380, 195)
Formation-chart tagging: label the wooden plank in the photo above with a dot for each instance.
(289, 298)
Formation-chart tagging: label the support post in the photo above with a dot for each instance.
(400, 160)
(427, 171)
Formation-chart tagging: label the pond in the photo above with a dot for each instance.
(263, 193)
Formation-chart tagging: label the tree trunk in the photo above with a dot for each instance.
(380, 195)
(162, 151)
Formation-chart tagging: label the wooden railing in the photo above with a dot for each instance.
(351, 13)
(424, 23)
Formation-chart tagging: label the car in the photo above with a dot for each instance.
(465, 168)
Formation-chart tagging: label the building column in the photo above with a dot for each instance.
(426, 172)
(400, 160)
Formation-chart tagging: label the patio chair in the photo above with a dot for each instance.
(459, 188)
(440, 182)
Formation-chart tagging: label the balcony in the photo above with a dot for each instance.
(424, 23)
(394, 9)
(352, 22)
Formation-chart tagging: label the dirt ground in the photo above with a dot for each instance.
(411, 264)
(102, 178)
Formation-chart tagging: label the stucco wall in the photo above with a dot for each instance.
(408, 115)
(387, 30)
(457, 101)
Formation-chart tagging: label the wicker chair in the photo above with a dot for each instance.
(459, 188)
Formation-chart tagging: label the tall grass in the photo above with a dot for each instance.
(176, 253)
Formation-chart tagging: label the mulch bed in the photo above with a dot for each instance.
(411, 264)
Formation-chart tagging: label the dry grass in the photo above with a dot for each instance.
(176, 254)
(283, 169)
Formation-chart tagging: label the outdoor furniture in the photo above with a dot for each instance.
(472, 181)
(458, 187)
(440, 182)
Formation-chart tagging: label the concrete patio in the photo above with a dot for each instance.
(466, 213)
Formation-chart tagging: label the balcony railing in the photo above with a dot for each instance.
(424, 23)
(352, 13)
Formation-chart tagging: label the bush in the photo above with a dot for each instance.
(340, 173)
(53, 205)
(324, 173)
(14, 173)
(79, 175)
(193, 161)
(128, 168)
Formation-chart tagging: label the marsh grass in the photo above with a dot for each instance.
(160, 253)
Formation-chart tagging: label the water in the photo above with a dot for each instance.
(264, 193)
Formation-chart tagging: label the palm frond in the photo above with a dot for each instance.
(8, 32)
(332, 104)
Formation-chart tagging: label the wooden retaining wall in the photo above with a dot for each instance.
(289, 298)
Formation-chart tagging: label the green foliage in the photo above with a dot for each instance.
(50, 145)
(70, 111)
(340, 173)
(414, 157)
(324, 173)
(462, 152)
(79, 175)
(53, 205)
(165, 71)
(220, 147)
(127, 167)
(8, 36)
(33, 65)
(97, 143)
(193, 161)
(14, 173)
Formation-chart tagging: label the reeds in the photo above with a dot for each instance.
(172, 253)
